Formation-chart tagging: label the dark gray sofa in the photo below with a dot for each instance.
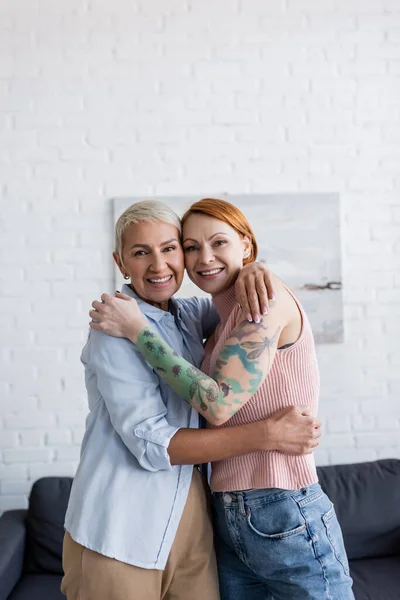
(31, 543)
(366, 498)
(367, 502)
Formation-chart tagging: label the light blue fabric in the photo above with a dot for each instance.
(126, 499)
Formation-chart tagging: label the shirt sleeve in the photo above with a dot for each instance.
(131, 392)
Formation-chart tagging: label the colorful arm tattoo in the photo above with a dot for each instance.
(242, 365)
(199, 390)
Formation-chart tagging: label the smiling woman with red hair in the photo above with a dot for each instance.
(230, 214)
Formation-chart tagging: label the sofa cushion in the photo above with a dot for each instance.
(376, 578)
(38, 587)
(12, 549)
(45, 525)
(367, 500)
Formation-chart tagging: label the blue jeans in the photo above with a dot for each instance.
(281, 545)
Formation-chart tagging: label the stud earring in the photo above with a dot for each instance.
(126, 276)
(246, 254)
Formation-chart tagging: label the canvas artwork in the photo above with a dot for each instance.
(298, 237)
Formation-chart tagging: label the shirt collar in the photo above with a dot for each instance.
(156, 314)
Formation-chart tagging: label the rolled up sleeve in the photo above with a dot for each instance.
(131, 393)
(156, 446)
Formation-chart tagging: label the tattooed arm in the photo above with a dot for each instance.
(242, 366)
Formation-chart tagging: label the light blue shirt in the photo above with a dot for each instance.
(126, 499)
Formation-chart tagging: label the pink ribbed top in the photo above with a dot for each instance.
(292, 380)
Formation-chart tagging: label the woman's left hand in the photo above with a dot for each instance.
(119, 316)
(254, 290)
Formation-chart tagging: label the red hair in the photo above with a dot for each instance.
(228, 213)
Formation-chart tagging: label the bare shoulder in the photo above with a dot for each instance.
(283, 299)
(284, 310)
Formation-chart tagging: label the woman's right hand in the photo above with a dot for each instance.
(292, 430)
(119, 316)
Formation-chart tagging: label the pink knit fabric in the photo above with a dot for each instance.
(292, 380)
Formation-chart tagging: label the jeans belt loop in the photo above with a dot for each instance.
(241, 504)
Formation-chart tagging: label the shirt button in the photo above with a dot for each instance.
(227, 498)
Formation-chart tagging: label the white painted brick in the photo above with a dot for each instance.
(13, 502)
(368, 440)
(305, 6)
(77, 434)
(15, 487)
(27, 455)
(37, 288)
(13, 472)
(70, 335)
(58, 403)
(389, 296)
(29, 356)
(352, 455)
(394, 359)
(396, 213)
(387, 342)
(354, 311)
(339, 440)
(37, 387)
(18, 255)
(13, 371)
(321, 457)
(334, 409)
(32, 438)
(8, 439)
(338, 425)
(59, 469)
(363, 423)
(68, 453)
(391, 327)
(30, 420)
(57, 437)
(206, 120)
(389, 423)
(389, 452)
(361, 327)
(382, 311)
(72, 418)
(394, 387)
(46, 306)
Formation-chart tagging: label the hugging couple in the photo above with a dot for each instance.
(142, 522)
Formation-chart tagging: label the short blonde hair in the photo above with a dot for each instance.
(147, 210)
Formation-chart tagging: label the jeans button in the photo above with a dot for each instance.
(227, 498)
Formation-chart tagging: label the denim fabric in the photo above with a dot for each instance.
(280, 544)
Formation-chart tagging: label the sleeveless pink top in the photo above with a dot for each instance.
(292, 380)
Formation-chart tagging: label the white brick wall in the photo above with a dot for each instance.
(99, 99)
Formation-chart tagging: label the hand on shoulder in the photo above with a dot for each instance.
(118, 316)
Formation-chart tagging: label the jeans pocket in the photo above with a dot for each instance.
(335, 537)
(273, 536)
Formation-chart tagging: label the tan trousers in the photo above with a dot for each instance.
(190, 572)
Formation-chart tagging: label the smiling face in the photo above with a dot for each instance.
(214, 252)
(152, 257)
